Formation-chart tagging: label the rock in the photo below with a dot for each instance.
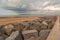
(8, 29)
(19, 37)
(26, 24)
(33, 38)
(45, 23)
(43, 34)
(44, 26)
(30, 29)
(30, 33)
(51, 24)
(34, 25)
(19, 26)
(1, 38)
(14, 36)
(1, 32)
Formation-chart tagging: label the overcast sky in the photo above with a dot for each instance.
(35, 4)
(32, 4)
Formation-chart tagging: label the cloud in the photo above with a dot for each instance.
(33, 4)
(52, 8)
(51, 5)
(12, 3)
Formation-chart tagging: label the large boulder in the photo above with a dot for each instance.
(43, 34)
(30, 34)
(8, 29)
(15, 36)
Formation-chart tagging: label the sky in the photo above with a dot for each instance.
(53, 5)
(34, 4)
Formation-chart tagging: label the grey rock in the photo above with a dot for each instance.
(34, 24)
(8, 28)
(43, 26)
(26, 24)
(1, 38)
(19, 37)
(29, 34)
(33, 38)
(47, 22)
(44, 34)
(18, 26)
(14, 36)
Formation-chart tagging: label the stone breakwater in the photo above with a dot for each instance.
(38, 29)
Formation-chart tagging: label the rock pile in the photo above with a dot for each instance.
(28, 30)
